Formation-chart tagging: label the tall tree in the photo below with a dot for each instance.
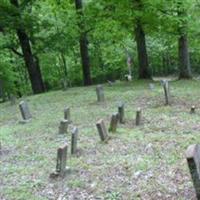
(183, 52)
(31, 62)
(144, 72)
(83, 45)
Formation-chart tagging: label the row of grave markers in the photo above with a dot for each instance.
(118, 117)
(61, 167)
(164, 83)
(192, 153)
(61, 162)
(101, 97)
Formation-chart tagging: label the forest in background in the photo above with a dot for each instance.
(53, 44)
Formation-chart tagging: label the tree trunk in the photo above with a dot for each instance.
(164, 63)
(183, 53)
(31, 64)
(184, 58)
(64, 68)
(83, 46)
(144, 72)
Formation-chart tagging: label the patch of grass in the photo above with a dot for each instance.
(76, 183)
(113, 196)
(108, 171)
(21, 193)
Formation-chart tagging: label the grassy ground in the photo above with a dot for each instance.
(145, 162)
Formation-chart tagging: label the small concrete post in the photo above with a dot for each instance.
(25, 112)
(103, 134)
(63, 126)
(61, 168)
(165, 84)
(193, 110)
(114, 122)
(74, 140)
(138, 117)
(100, 93)
(193, 160)
(121, 113)
(67, 115)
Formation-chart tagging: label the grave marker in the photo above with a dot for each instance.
(74, 141)
(193, 160)
(138, 117)
(63, 126)
(151, 86)
(193, 110)
(102, 130)
(25, 112)
(100, 93)
(110, 83)
(128, 77)
(61, 168)
(114, 122)
(165, 85)
(121, 113)
(12, 100)
(67, 115)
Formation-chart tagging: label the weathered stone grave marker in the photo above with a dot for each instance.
(74, 141)
(121, 113)
(138, 117)
(128, 77)
(114, 122)
(61, 168)
(102, 130)
(193, 110)
(12, 100)
(100, 93)
(67, 115)
(110, 83)
(165, 85)
(151, 86)
(193, 159)
(63, 126)
(25, 112)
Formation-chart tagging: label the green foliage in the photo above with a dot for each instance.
(7, 74)
(113, 196)
(54, 34)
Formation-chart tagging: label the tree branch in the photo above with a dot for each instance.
(15, 51)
